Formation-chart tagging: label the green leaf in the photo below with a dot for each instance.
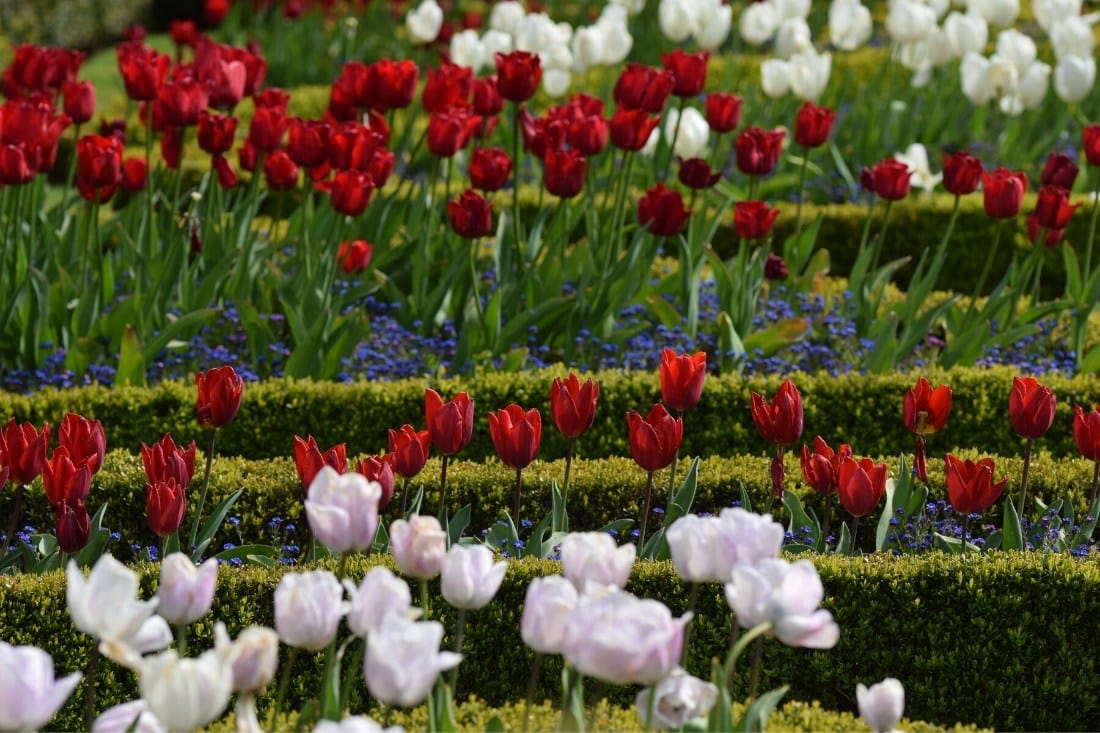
(685, 495)
(1074, 285)
(558, 510)
(131, 366)
(444, 709)
(97, 540)
(206, 536)
(172, 544)
(331, 709)
(777, 336)
(756, 717)
(1013, 532)
(458, 524)
(656, 547)
(495, 725)
(1084, 534)
(799, 518)
(248, 551)
(844, 545)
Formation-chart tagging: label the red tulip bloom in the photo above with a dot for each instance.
(392, 84)
(309, 459)
(589, 133)
(164, 460)
(15, 170)
(563, 172)
(353, 145)
(408, 450)
(214, 12)
(888, 179)
(1090, 139)
(779, 423)
(450, 129)
(643, 88)
(1031, 407)
(485, 97)
(758, 150)
(78, 99)
(267, 127)
(1086, 432)
(860, 485)
(775, 267)
(1003, 193)
(354, 257)
(279, 171)
(350, 192)
(661, 211)
(471, 215)
(134, 172)
(689, 71)
(379, 470)
(753, 219)
(630, 128)
(182, 101)
(518, 75)
(723, 111)
(216, 132)
(447, 86)
(516, 435)
(925, 410)
(813, 124)
(655, 439)
(171, 146)
(1059, 170)
(970, 487)
(1051, 238)
(64, 480)
(450, 424)
(696, 173)
(143, 70)
(165, 505)
(573, 405)
(682, 377)
(307, 144)
(25, 450)
(961, 173)
(489, 168)
(73, 526)
(821, 468)
(219, 399)
(98, 167)
(227, 177)
(1053, 209)
(84, 439)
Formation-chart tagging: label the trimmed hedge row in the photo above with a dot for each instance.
(1009, 630)
(863, 410)
(70, 23)
(602, 491)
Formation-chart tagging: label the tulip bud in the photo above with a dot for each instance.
(29, 693)
(379, 595)
(308, 608)
(881, 705)
(470, 578)
(546, 610)
(418, 546)
(186, 592)
(594, 557)
(343, 510)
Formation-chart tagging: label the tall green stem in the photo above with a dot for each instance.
(1023, 478)
(881, 237)
(1095, 481)
(90, 680)
(645, 511)
(443, 485)
(13, 523)
(801, 189)
(693, 598)
(460, 629)
(284, 682)
(205, 487)
(986, 266)
(1087, 272)
(532, 681)
(517, 494)
(517, 135)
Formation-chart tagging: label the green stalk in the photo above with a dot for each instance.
(645, 512)
(568, 466)
(1023, 478)
(802, 190)
(739, 647)
(532, 681)
(284, 682)
(90, 680)
(986, 267)
(517, 135)
(460, 628)
(881, 237)
(205, 488)
(693, 598)
(1092, 229)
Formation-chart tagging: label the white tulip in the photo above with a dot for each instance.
(632, 7)
(342, 510)
(467, 50)
(507, 16)
(418, 545)
(775, 77)
(254, 654)
(1049, 12)
(134, 715)
(29, 692)
(1034, 84)
(882, 704)
(616, 39)
(308, 609)
(538, 33)
(920, 171)
(379, 595)
(424, 22)
(650, 148)
(909, 21)
(546, 608)
(1018, 48)
(469, 578)
(593, 556)
(793, 36)
(1002, 77)
(556, 62)
(966, 33)
(355, 724)
(403, 660)
(713, 21)
(1001, 13)
(105, 606)
(792, 9)
(849, 24)
(186, 592)
(587, 47)
(1074, 77)
(809, 74)
(186, 694)
(749, 538)
(974, 78)
(940, 7)
(693, 135)
(787, 595)
(679, 698)
(676, 19)
(494, 42)
(759, 22)
(1071, 37)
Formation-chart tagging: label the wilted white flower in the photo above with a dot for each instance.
(424, 22)
(882, 704)
(920, 171)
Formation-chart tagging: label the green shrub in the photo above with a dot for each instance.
(70, 23)
(975, 638)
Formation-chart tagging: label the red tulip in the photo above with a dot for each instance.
(485, 97)
(1059, 170)
(354, 257)
(661, 211)
(408, 450)
(888, 179)
(812, 125)
(1003, 193)
(563, 172)
(573, 405)
(393, 84)
(308, 142)
(589, 133)
(489, 168)
(925, 410)
(450, 129)
(1086, 432)
(753, 219)
(654, 440)
(182, 102)
(758, 150)
(682, 377)
(143, 70)
(350, 192)
(216, 132)
(1090, 138)
(696, 173)
(171, 146)
(471, 215)
(630, 128)
(227, 177)
(219, 399)
(821, 468)
(267, 128)
(309, 459)
(15, 170)
(779, 423)
(164, 460)
(689, 71)
(134, 172)
(1051, 238)
(961, 173)
(78, 99)
(775, 267)
(1031, 407)
(25, 450)
(165, 505)
(516, 435)
(214, 12)
(353, 146)
(84, 439)
(723, 111)
(280, 172)
(1052, 208)
(73, 526)
(450, 424)
(379, 470)
(643, 88)
(970, 487)
(447, 86)
(98, 167)
(860, 485)
(518, 75)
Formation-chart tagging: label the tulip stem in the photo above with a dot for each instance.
(1087, 272)
(425, 603)
(568, 466)
(517, 494)
(1095, 480)
(757, 658)
(645, 511)
(405, 496)
(443, 485)
(992, 255)
(460, 629)
(181, 639)
(650, 708)
(1023, 478)
(801, 190)
(855, 535)
(205, 488)
(881, 238)
(532, 680)
(284, 682)
(738, 648)
(827, 511)
(672, 471)
(966, 521)
(693, 598)
(13, 523)
(89, 679)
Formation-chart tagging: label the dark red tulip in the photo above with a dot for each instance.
(227, 177)
(1090, 138)
(98, 167)
(682, 378)
(267, 128)
(379, 470)
(516, 435)
(1003, 193)
(134, 172)
(780, 422)
(447, 86)
(813, 124)
(970, 486)
(1030, 407)
(888, 179)
(78, 100)
(14, 167)
(485, 97)
(450, 424)
(182, 101)
(758, 150)
(73, 526)
(518, 75)
(171, 146)
(689, 71)
(143, 70)
(279, 171)
(450, 129)
(471, 215)
(64, 480)
(393, 84)
(661, 211)
(654, 440)
(563, 172)
(84, 439)
(573, 405)
(219, 396)
(309, 460)
(961, 173)
(1059, 170)
(630, 128)
(408, 450)
(723, 111)
(775, 267)
(308, 142)
(821, 468)
(860, 485)
(164, 459)
(489, 168)
(696, 173)
(753, 219)
(354, 256)
(643, 88)
(165, 505)
(216, 132)
(1086, 432)
(1052, 208)
(214, 12)
(350, 192)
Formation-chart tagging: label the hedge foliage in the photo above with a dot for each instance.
(863, 410)
(1001, 641)
(85, 24)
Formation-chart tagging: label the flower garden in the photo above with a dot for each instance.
(517, 366)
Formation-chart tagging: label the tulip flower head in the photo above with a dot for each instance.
(682, 377)
(73, 526)
(380, 594)
(29, 692)
(342, 510)
(186, 592)
(450, 424)
(65, 481)
(787, 595)
(882, 704)
(593, 557)
(821, 468)
(219, 396)
(165, 506)
(468, 576)
(185, 693)
(970, 485)
(573, 405)
(84, 439)
(379, 470)
(409, 450)
(516, 434)
(962, 173)
(309, 459)
(1003, 193)
(925, 410)
(655, 439)
(308, 609)
(546, 610)
(1086, 432)
(1090, 138)
(860, 485)
(418, 546)
(165, 459)
(1031, 407)
(25, 450)
(812, 125)
(780, 422)
(679, 698)
(403, 660)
